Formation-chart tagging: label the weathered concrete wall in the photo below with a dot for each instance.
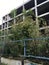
(15, 62)
(11, 62)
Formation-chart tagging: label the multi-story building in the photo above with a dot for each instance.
(40, 8)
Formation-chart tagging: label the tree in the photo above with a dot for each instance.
(13, 13)
(26, 29)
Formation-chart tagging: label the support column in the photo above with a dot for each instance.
(14, 17)
(36, 15)
(24, 53)
(36, 12)
(23, 10)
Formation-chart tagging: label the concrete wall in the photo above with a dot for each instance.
(15, 62)
(11, 62)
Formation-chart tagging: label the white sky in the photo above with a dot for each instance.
(7, 5)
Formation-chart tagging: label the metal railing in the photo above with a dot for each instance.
(32, 44)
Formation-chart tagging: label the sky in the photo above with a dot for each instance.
(7, 5)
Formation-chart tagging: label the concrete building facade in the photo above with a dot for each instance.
(40, 8)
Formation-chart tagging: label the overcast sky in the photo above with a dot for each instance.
(7, 5)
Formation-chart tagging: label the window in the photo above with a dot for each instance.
(43, 8)
(19, 19)
(5, 31)
(10, 23)
(0, 26)
(19, 10)
(9, 30)
(3, 25)
(40, 1)
(29, 5)
(46, 20)
(2, 32)
(2, 38)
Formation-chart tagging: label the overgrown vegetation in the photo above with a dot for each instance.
(13, 13)
(24, 30)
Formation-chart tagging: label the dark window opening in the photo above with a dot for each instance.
(29, 5)
(10, 23)
(45, 20)
(3, 25)
(42, 32)
(19, 19)
(0, 26)
(31, 13)
(19, 10)
(43, 9)
(40, 1)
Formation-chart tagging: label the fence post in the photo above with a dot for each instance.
(24, 52)
(24, 48)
